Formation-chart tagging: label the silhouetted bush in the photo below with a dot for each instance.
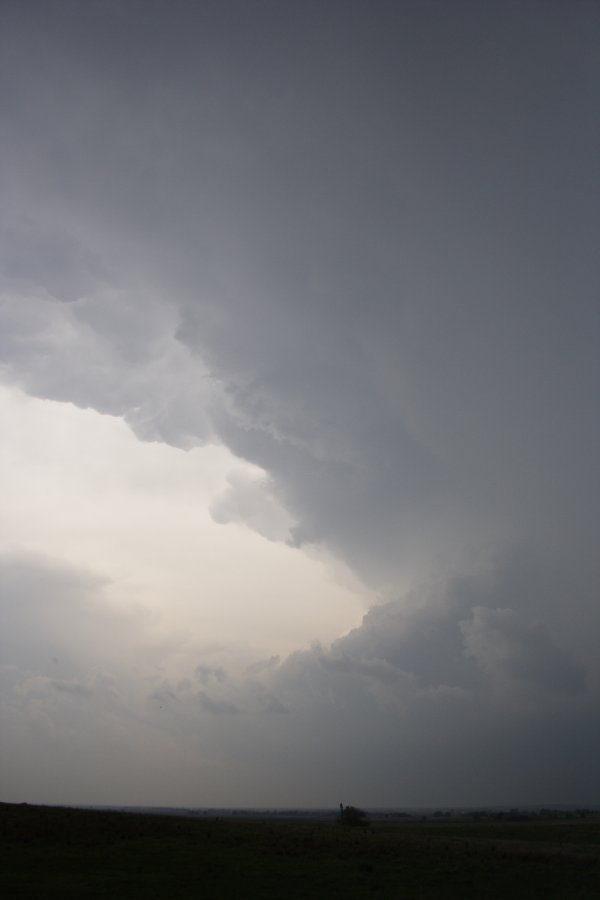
(352, 815)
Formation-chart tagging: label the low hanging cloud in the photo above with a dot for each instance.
(518, 656)
(434, 698)
(358, 253)
(444, 641)
(249, 501)
(111, 351)
(382, 327)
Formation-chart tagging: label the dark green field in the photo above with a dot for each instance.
(69, 853)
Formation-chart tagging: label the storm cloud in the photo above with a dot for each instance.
(355, 245)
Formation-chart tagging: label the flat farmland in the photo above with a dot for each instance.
(53, 853)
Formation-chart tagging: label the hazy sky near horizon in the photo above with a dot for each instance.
(299, 431)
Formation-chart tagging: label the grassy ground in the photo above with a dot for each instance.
(66, 853)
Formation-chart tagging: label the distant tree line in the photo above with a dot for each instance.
(514, 815)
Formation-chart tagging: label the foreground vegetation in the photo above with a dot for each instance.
(69, 853)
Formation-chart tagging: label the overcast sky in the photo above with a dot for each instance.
(299, 429)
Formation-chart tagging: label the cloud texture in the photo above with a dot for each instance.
(356, 245)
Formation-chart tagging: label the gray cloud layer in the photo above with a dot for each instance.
(357, 243)
(431, 700)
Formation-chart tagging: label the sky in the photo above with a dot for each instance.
(299, 431)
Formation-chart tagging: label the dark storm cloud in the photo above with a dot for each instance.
(357, 242)
(375, 228)
(452, 640)
(110, 351)
(49, 262)
(433, 699)
(519, 654)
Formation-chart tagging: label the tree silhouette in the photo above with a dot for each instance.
(352, 815)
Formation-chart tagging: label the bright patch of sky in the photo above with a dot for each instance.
(80, 488)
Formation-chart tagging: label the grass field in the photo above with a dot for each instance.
(61, 853)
